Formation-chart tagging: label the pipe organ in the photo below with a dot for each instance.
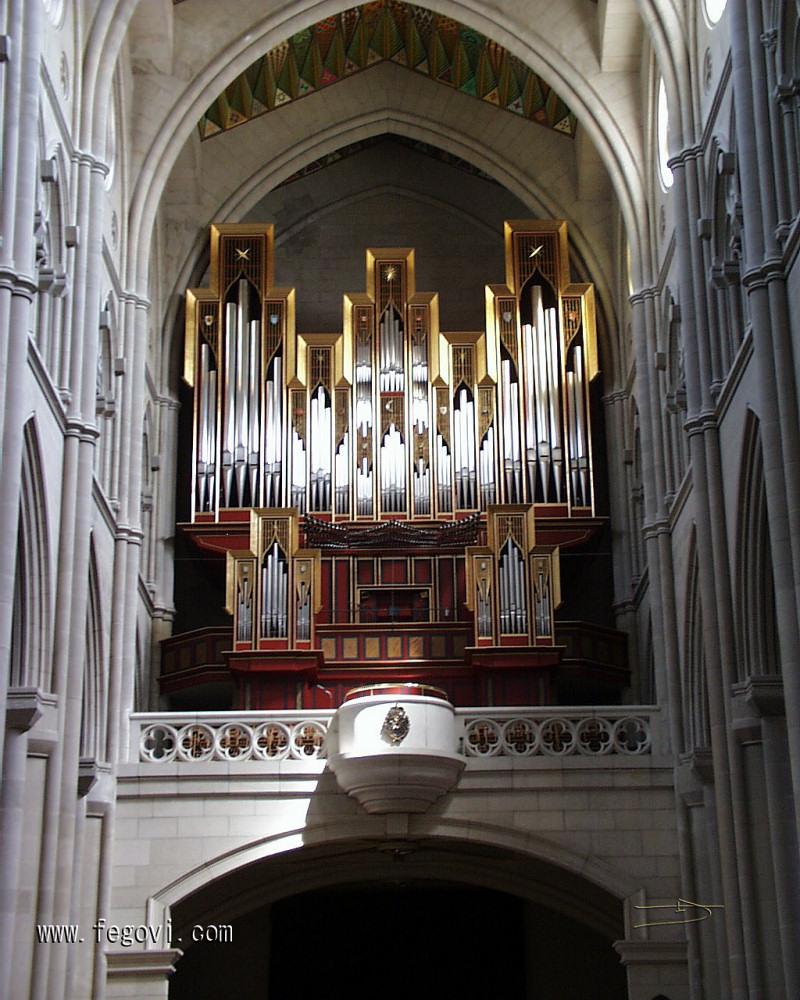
(378, 490)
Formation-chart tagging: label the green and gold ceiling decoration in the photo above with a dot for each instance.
(387, 31)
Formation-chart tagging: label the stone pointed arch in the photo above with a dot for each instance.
(95, 696)
(757, 624)
(616, 144)
(694, 687)
(31, 632)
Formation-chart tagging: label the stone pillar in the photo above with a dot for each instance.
(23, 710)
(656, 532)
(773, 351)
(141, 975)
(654, 967)
(760, 725)
(19, 162)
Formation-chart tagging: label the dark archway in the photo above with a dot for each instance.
(396, 940)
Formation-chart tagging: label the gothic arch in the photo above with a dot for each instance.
(94, 703)
(30, 653)
(354, 845)
(694, 688)
(755, 587)
(577, 88)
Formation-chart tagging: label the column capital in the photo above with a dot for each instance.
(651, 952)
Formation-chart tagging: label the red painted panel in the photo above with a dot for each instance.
(394, 571)
(461, 588)
(365, 571)
(342, 590)
(326, 572)
(423, 571)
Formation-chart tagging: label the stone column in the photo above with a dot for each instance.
(24, 709)
(17, 204)
(760, 725)
(654, 967)
(773, 351)
(143, 975)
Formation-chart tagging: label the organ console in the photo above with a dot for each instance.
(392, 498)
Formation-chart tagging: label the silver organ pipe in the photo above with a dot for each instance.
(274, 589)
(581, 455)
(303, 611)
(207, 432)
(393, 471)
(392, 376)
(298, 452)
(363, 426)
(298, 471)
(484, 610)
(464, 448)
(342, 473)
(420, 417)
(392, 455)
(253, 403)
(542, 608)
(544, 452)
(513, 606)
(229, 432)
(486, 465)
(554, 392)
(512, 459)
(273, 433)
(244, 615)
(443, 468)
(240, 444)
(540, 390)
(320, 436)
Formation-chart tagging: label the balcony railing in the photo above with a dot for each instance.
(193, 738)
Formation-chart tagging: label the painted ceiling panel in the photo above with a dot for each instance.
(381, 31)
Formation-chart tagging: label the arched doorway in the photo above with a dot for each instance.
(382, 923)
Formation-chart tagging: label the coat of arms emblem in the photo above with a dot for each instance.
(396, 724)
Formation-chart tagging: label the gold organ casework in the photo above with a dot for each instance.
(391, 476)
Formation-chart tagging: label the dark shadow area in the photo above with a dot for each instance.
(398, 940)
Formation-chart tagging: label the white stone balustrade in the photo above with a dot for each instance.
(549, 731)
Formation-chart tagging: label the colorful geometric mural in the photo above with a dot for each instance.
(381, 31)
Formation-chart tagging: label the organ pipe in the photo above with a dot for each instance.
(320, 431)
(273, 432)
(364, 424)
(513, 597)
(464, 420)
(207, 433)
(274, 590)
(240, 445)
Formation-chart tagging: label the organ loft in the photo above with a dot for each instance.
(392, 503)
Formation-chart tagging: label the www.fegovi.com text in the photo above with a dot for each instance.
(128, 935)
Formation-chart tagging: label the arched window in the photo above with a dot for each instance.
(714, 10)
